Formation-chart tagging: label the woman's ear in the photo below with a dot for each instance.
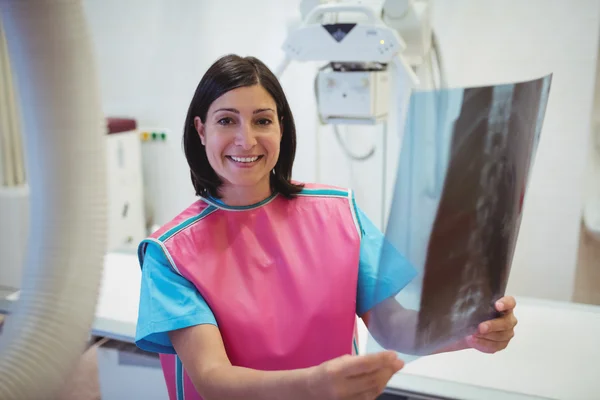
(281, 129)
(200, 129)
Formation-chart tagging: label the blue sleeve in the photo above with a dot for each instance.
(168, 301)
(383, 271)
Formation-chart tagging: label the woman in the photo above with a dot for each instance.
(253, 291)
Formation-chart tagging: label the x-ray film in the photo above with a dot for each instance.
(462, 175)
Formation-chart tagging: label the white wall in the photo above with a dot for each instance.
(152, 54)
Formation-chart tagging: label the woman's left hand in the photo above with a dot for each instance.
(494, 335)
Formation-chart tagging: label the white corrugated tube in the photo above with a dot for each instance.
(51, 54)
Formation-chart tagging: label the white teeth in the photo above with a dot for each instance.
(244, 159)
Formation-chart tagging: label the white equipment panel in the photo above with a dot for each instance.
(353, 94)
(343, 42)
(126, 217)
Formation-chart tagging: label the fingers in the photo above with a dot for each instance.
(485, 345)
(371, 385)
(505, 323)
(507, 303)
(368, 382)
(504, 336)
(354, 366)
(495, 335)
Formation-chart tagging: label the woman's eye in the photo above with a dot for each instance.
(224, 121)
(264, 121)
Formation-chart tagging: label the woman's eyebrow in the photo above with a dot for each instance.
(236, 111)
(233, 110)
(262, 110)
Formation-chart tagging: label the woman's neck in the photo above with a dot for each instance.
(236, 196)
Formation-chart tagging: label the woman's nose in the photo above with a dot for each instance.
(246, 137)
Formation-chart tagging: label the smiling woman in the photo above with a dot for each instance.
(241, 293)
(242, 141)
(238, 123)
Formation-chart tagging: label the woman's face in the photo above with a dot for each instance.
(241, 135)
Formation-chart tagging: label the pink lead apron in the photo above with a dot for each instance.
(280, 277)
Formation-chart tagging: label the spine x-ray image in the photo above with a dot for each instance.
(462, 176)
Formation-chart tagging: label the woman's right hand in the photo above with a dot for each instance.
(353, 377)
